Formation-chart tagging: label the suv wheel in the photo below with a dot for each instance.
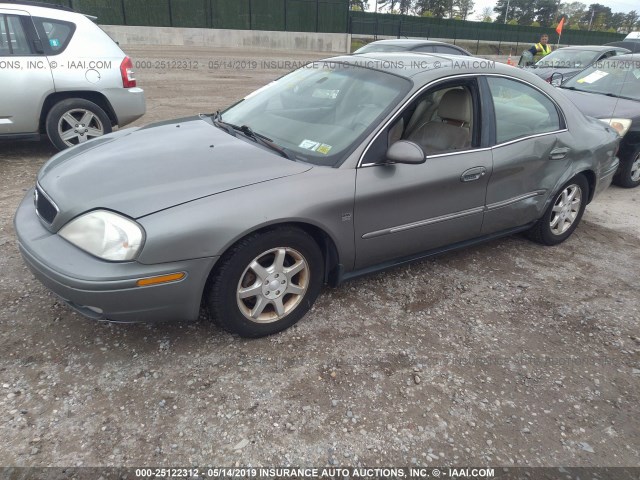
(74, 121)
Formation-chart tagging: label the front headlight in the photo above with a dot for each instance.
(105, 234)
(621, 125)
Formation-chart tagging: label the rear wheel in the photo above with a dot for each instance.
(628, 175)
(266, 282)
(563, 214)
(74, 121)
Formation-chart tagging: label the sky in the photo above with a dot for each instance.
(615, 5)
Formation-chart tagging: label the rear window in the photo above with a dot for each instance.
(55, 34)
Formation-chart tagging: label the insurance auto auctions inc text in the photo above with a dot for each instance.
(345, 473)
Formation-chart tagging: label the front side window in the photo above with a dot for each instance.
(55, 34)
(521, 110)
(322, 111)
(13, 40)
(442, 120)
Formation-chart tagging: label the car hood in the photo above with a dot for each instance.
(139, 172)
(602, 106)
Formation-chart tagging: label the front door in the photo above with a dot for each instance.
(402, 210)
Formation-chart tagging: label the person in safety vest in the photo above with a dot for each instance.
(541, 49)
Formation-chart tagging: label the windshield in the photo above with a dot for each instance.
(619, 78)
(568, 59)
(381, 47)
(320, 112)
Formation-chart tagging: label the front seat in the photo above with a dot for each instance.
(452, 131)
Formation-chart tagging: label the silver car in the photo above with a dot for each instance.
(60, 74)
(341, 168)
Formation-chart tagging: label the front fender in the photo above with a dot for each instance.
(322, 197)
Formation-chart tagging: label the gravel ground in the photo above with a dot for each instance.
(508, 353)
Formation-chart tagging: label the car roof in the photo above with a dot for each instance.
(626, 57)
(593, 48)
(39, 9)
(423, 66)
(409, 42)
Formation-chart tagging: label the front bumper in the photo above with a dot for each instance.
(106, 290)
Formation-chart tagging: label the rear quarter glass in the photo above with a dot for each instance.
(55, 34)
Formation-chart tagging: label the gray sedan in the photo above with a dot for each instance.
(341, 168)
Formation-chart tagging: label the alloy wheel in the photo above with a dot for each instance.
(566, 209)
(273, 285)
(79, 125)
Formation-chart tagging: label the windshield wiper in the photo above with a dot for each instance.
(249, 133)
(572, 88)
(217, 121)
(264, 141)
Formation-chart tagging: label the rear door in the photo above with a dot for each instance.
(25, 75)
(529, 153)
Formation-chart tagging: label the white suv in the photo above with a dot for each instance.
(60, 74)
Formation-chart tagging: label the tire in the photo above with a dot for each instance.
(561, 217)
(628, 175)
(260, 263)
(74, 121)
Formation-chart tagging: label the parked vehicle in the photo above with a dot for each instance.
(610, 90)
(338, 169)
(570, 60)
(62, 76)
(412, 45)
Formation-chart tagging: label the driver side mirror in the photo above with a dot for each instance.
(556, 79)
(407, 152)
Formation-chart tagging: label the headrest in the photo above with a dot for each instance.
(455, 105)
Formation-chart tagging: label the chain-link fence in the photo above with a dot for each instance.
(330, 16)
(472, 35)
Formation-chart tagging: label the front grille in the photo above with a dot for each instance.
(45, 208)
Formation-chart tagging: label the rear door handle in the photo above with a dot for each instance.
(559, 153)
(472, 174)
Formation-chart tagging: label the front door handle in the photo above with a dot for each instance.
(475, 173)
(559, 153)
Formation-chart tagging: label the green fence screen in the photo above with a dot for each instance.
(331, 16)
(369, 23)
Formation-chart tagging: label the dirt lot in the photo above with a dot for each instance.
(504, 354)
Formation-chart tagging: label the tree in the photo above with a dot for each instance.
(598, 16)
(545, 12)
(358, 5)
(573, 12)
(630, 21)
(437, 8)
(523, 11)
(463, 8)
(485, 14)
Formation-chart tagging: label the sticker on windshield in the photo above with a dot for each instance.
(309, 145)
(324, 148)
(593, 77)
(54, 42)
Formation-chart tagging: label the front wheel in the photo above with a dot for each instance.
(266, 282)
(563, 214)
(74, 121)
(628, 175)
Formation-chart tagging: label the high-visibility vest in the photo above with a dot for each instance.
(542, 51)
